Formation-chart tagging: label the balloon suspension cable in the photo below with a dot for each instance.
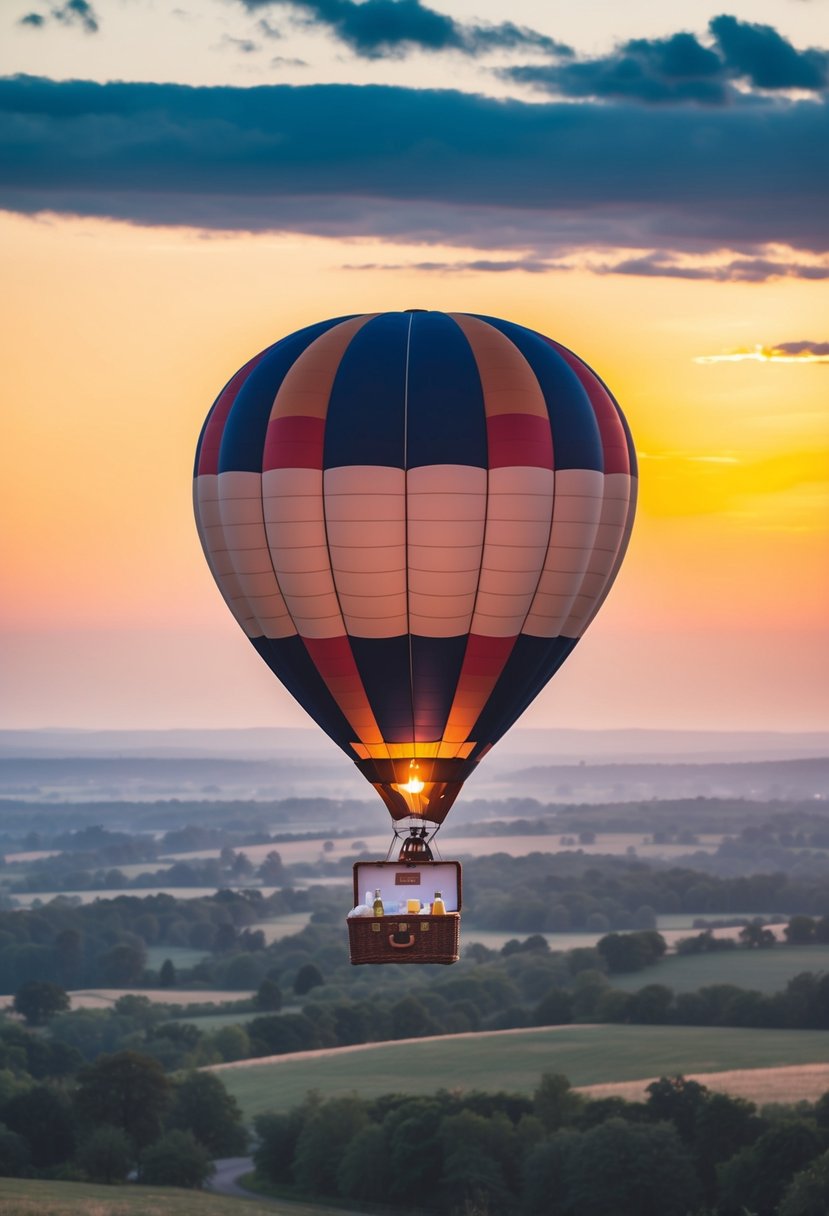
(395, 838)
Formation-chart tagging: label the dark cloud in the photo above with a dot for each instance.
(803, 348)
(419, 165)
(680, 69)
(739, 270)
(655, 71)
(73, 12)
(486, 265)
(652, 265)
(764, 58)
(376, 28)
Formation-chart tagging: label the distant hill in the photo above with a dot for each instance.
(564, 746)
(758, 780)
(135, 776)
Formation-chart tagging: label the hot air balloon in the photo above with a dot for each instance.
(414, 516)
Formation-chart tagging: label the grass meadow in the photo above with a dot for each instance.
(514, 1061)
(21, 1197)
(763, 970)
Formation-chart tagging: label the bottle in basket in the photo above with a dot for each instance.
(378, 903)
(438, 906)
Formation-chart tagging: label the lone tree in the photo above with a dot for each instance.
(167, 974)
(38, 1001)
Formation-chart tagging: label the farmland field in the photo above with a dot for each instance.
(514, 1060)
(762, 970)
(20, 1197)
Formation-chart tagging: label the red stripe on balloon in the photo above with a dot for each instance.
(294, 443)
(213, 431)
(519, 439)
(611, 431)
(334, 660)
(486, 656)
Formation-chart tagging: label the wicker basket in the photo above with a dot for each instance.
(404, 938)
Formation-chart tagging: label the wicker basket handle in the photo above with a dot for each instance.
(401, 945)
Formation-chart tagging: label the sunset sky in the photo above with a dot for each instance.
(648, 185)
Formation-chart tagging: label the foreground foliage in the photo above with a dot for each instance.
(683, 1151)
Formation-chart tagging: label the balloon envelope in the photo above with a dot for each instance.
(414, 516)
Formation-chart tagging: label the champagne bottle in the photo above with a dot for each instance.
(438, 906)
(378, 903)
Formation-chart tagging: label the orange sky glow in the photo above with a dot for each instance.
(119, 337)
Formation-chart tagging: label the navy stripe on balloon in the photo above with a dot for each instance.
(366, 409)
(383, 664)
(435, 669)
(531, 664)
(291, 663)
(202, 434)
(577, 443)
(446, 416)
(243, 437)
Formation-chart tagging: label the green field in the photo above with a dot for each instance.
(588, 1055)
(20, 1197)
(215, 1021)
(179, 956)
(762, 970)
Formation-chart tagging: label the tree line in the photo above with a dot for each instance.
(683, 1151)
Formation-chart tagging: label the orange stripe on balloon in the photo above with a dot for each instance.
(307, 386)
(482, 665)
(517, 418)
(508, 382)
(304, 394)
(334, 660)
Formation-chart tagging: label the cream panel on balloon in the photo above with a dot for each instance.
(519, 514)
(576, 516)
(212, 536)
(365, 513)
(620, 555)
(240, 507)
(447, 507)
(610, 535)
(295, 524)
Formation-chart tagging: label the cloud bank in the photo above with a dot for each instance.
(681, 69)
(423, 166)
(374, 29)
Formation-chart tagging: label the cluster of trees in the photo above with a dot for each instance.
(105, 942)
(29, 825)
(802, 1005)
(84, 869)
(683, 1150)
(556, 893)
(61, 1118)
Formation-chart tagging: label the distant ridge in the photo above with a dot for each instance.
(527, 746)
